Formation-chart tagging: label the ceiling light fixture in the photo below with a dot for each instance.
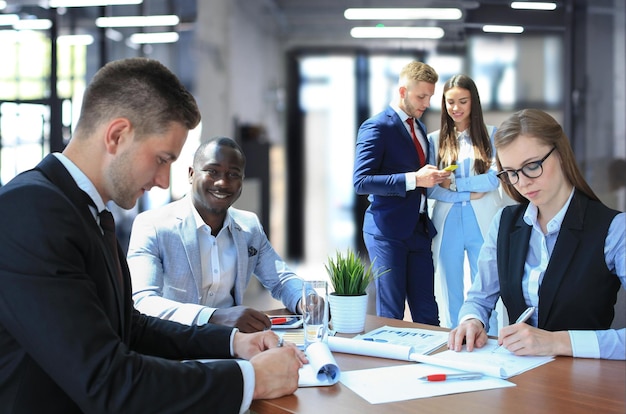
(138, 21)
(32, 24)
(90, 3)
(533, 5)
(493, 28)
(8, 19)
(144, 38)
(403, 14)
(389, 32)
(75, 40)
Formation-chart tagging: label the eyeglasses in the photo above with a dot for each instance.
(531, 170)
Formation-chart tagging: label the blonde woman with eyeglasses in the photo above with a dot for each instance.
(560, 250)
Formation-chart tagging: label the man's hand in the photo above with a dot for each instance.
(472, 331)
(275, 368)
(242, 317)
(276, 371)
(429, 176)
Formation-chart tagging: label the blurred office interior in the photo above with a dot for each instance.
(287, 79)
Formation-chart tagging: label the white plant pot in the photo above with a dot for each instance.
(348, 312)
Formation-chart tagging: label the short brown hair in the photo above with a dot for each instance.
(141, 90)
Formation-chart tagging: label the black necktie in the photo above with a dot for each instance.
(108, 226)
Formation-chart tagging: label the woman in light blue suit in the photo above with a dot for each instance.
(464, 205)
(191, 260)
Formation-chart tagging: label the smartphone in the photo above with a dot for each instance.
(451, 167)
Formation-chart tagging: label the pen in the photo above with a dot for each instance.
(281, 320)
(443, 377)
(522, 318)
(374, 340)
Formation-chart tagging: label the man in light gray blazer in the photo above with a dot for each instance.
(191, 260)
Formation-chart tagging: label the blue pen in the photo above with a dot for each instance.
(374, 340)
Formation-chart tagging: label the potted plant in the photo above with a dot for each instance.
(349, 277)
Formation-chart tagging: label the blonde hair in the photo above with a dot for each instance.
(418, 71)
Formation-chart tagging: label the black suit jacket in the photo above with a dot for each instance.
(70, 340)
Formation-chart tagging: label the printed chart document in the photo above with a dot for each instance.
(399, 383)
(490, 360)
(423, 341)
(322, 369)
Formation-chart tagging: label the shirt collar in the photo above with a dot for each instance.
(403, 116)
(82, 181)
(554, 225)
(200, 222)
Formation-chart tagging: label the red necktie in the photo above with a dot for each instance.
(416, 142)
(108, 226)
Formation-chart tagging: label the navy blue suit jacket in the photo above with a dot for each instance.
(70, 339)
(384, 153)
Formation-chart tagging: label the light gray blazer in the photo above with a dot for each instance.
(165, 266)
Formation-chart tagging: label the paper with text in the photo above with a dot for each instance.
(423, 341)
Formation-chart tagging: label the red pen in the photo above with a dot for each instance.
(281, 320)
(444, 377)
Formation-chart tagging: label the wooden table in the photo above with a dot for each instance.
(565, 385)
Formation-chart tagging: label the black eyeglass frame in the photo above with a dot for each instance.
(504, 175)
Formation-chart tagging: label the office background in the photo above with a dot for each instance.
(286, 78)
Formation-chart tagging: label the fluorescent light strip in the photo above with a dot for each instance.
(492, 28)
(402, 14)
(89, 3)
(8, 19)
(388, 32)
(143, 38)
(138, 21)
(32, 24)
(75, 40)
(533, 5)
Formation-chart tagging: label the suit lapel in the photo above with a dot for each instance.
(56, 172)
(189, 238)
(241, 245)
(519, 239)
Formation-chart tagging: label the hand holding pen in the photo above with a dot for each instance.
(521, 319)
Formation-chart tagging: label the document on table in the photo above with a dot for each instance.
(490, 360)
(423, 341)
(399, 383)
(322, 369)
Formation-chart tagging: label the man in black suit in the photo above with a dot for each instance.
(70, 339)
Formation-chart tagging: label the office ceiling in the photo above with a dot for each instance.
(322, 21)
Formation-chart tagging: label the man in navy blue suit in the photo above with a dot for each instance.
(390, 166)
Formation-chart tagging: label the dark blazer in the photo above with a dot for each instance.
(384, 153)
(70, 340)
(578, 290)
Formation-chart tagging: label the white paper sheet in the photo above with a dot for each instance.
(399, 383)
(490, 360)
